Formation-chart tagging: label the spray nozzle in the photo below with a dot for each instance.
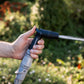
(47, 33)
(55, 35)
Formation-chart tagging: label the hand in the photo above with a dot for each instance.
(21, 44)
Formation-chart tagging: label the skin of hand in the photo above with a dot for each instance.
(21, 44)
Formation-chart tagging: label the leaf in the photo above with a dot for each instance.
(60, 61)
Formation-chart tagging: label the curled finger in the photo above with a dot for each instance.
(38, 47)
(41, 42)
(34, 56)
(32, 51)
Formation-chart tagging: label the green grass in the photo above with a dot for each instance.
(43, 73)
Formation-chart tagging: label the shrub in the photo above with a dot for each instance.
(13, 25)
(56, 15)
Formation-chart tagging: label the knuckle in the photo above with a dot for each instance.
(37, 47)
(40, 47)
(22, 36)
(31, 51)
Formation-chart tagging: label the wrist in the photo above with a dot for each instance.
(13, 54)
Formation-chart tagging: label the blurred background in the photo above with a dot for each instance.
(62, 61)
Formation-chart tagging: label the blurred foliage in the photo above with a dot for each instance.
(44, 72)
(62, 61)
(14, 24)
(62, 16)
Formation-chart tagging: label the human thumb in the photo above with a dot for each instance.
(30, 32)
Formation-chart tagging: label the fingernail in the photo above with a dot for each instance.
(31, 51)
(34, 46)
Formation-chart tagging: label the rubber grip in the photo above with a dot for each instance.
(48, 34)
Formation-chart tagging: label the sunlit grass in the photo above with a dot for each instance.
(44, 73)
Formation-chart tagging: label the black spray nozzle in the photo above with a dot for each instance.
(47, 34)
